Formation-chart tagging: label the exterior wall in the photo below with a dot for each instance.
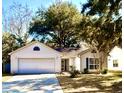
(45, 52)
(77, 63)
(74, 61)
(115, 54)
(83, 59)
(58, 64)
(71, 62)
(14, 64)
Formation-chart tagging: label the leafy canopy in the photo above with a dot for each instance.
(8, 45)
(57, 25)
(103, 27)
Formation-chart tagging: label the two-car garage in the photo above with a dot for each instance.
(34, 58)
(36, 65)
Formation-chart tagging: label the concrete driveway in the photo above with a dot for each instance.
(42, 83)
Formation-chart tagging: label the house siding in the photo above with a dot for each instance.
(77, 63)
(115, 54)
(83, 59)
(74, 61)
(29, 53)
(71, 62)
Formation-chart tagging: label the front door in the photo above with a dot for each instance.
(65, 65)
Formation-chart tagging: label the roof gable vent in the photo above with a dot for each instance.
(36, 48)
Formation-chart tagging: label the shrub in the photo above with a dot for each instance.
(74, 73)
(104, 71)
(86, 71)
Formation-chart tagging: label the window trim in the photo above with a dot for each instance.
(115, 64)
(93, 64)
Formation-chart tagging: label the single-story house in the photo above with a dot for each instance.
(36, 57)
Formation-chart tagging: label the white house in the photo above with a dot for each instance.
(36, 57)
(115, 59)
(80, 59)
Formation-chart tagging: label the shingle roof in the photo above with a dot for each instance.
(66, 49)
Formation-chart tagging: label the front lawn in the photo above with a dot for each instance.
(91, 83)
(6, 77)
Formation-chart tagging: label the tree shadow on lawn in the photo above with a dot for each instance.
(22, 86)
(90, 84)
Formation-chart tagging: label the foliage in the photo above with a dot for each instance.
(8, 45)
(85, 71)
(100, 7)
(104, 71)
(74, 73)
(107, 24)
(101, 28)
(57, 25)
(72, 68)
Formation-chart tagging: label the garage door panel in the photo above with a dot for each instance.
(36, 65)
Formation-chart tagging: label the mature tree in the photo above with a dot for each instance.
(57, 25)
(102, 27)
(16, 21)
(8, 45)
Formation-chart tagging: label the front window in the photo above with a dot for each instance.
(93, 63)
(115, 63)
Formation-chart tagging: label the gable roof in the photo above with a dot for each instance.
(67, 49)
(84, 51)
(116, 49)
(31, 43)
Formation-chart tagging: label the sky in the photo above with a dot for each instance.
(35, 4)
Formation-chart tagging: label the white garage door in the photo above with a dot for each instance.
(36, 65)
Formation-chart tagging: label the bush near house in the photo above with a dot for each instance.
(85, 71)
(104, 71)
(72, 68)
(74, 73)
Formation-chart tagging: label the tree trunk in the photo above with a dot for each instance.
(103, 61)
